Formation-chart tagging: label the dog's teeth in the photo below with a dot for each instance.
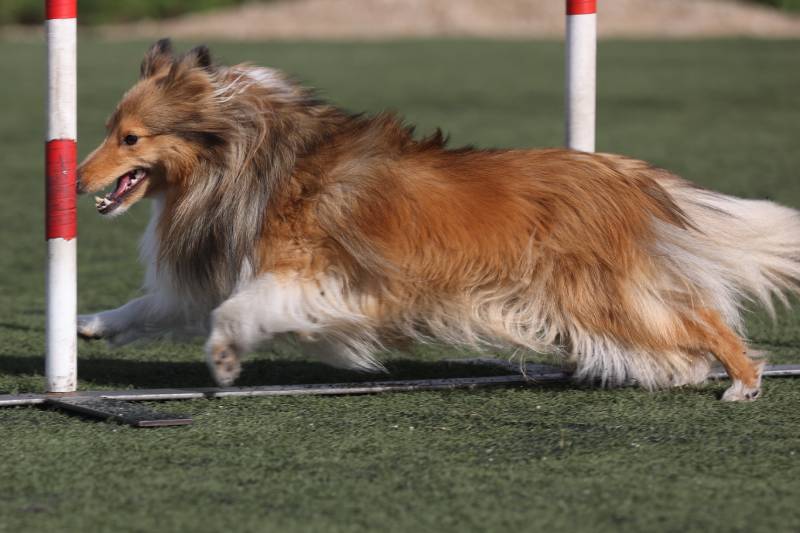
(101, 203)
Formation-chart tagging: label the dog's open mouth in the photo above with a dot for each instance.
(126, 184)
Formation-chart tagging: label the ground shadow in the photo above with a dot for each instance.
(123, 373)
(17, 327)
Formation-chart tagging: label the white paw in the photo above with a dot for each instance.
(91, 327)
(738, 392)
(224, 363)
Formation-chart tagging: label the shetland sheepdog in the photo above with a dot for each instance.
(277, 213)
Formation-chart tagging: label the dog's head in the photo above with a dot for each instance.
(158, 132)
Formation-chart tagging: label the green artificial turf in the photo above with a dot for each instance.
(725, 114)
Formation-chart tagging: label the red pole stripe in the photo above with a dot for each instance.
(581, 7)
(62, 9)
(61, 161)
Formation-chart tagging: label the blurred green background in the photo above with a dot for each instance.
(105, 11)
(783, 4)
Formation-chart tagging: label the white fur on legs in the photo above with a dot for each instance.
(147, 316)
(739, 392)
(270, 305)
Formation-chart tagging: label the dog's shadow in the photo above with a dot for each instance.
(122, 373)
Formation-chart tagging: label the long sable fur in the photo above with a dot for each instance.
(630, 272)
(250, 138)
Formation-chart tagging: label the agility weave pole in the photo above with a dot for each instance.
(581, 74)
(61, 366)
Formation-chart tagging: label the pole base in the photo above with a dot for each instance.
(108, 409)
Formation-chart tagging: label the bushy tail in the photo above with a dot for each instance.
(738, 250)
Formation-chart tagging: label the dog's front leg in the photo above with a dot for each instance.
(248, 317)
(142, 317)
(268, 306)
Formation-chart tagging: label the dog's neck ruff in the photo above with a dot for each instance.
(209, 229)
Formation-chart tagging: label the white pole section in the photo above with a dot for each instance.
(61, 365)
(581, 73)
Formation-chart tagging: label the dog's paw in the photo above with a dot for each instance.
(224, 363)
(90, 327)
(739, 392)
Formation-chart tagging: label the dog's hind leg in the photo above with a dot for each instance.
(716, 337)
(273, 304)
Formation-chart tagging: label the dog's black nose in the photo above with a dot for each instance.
(79, 187)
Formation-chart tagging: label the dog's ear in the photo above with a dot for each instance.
(189, 66)
(158, 57)
(198, 57)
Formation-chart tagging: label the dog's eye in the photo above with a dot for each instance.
(130, 140)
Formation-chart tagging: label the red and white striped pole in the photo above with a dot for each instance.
(60, 162)
(581, 73)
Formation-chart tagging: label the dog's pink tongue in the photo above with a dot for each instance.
(122, 186)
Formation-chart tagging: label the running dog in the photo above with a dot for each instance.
(277, 213)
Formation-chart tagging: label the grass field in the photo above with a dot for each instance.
(725, 114)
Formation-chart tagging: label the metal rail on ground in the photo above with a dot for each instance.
(113, 404)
